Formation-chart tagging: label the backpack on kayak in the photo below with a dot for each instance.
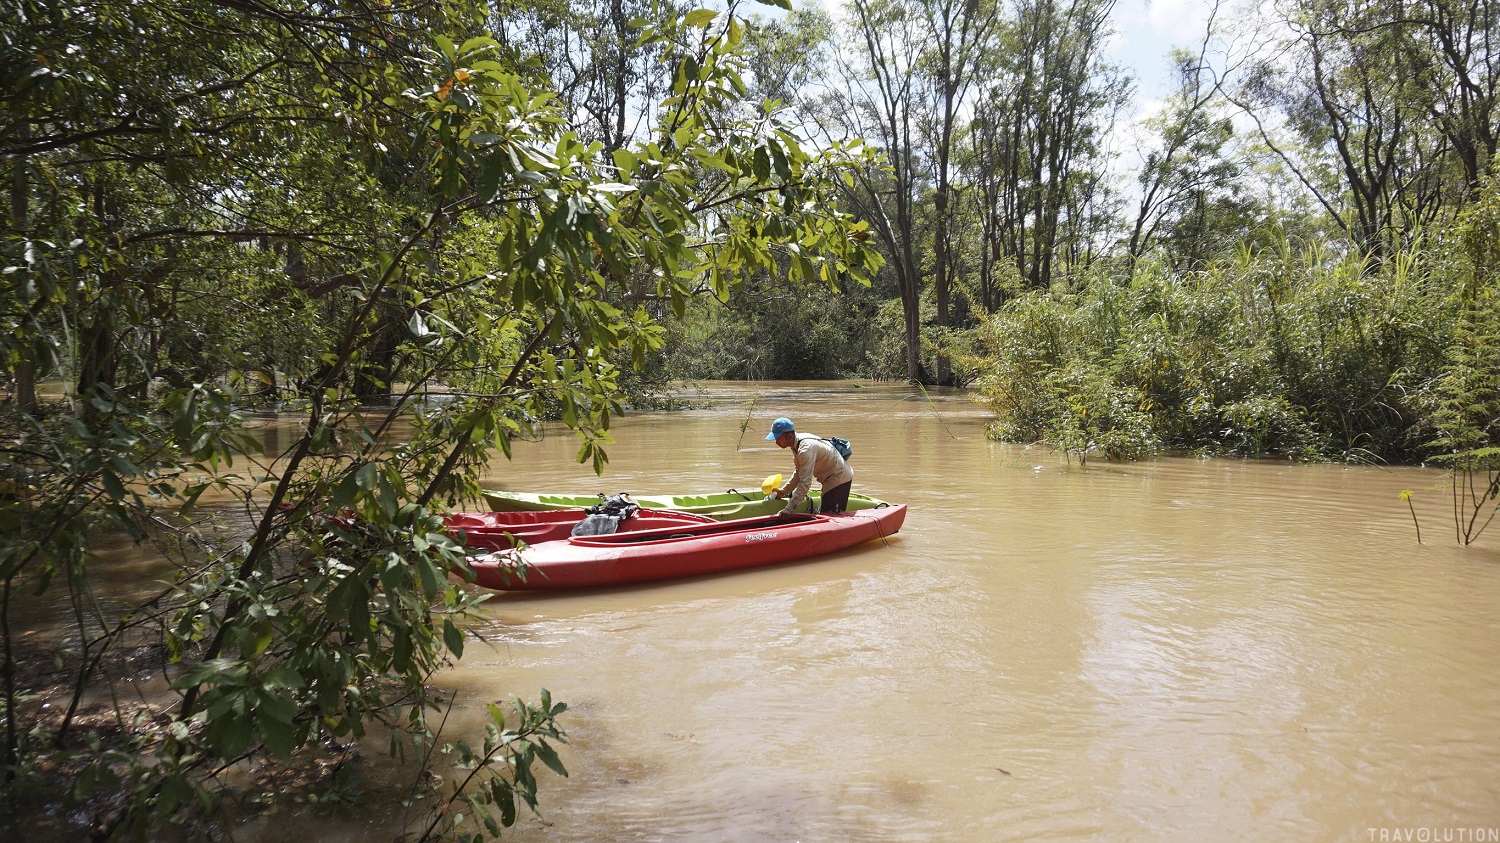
(604, 517)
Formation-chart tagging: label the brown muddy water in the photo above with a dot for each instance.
(1172, 650)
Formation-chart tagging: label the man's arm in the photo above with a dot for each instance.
(796, 489)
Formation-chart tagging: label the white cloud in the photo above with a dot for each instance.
(1180, 21)
(1146, 32)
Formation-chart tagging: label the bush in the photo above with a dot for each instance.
(1300, 354)
(782, 333)
(1269, 425)
(1090, 413)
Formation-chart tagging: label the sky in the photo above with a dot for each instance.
(1147, 31)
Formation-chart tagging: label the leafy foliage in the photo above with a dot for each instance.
(1466, 417)
(345, 211)
(1281, 354)
(775, 332)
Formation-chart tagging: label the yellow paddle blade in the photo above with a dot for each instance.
(770, 483)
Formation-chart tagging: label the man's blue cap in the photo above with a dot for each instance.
(780, 426)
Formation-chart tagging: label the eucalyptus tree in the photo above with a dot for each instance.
(879, 59)
(987, 160)
(788, 56)
(1039, 125)
(330, 201)
(1356, 86)
(1465, 44)
(590, 52)
(773, 329)
(958, 34)
(1193, 198)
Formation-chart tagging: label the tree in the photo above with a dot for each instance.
(1375, 101)
(957, 34)
(340, 204)
(1463, 35)
(881, 103)
(989, 145)
(787, 56)
(1042, 115)
(1466, 417)
(591, 54)
(1191, 195)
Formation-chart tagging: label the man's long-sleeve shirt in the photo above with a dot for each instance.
(814, 458)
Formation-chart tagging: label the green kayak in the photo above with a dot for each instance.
(725, 506)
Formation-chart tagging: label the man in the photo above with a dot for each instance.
(812, 457)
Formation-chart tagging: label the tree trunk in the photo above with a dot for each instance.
(97, 361)
(621, 26)
(20, 199)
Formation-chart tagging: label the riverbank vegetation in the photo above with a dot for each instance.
(389, 225)
(1290, 256)
(1292, 353)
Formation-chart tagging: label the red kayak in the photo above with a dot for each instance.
(494, 530)
(682, 551)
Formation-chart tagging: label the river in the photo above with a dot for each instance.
(1170, 650)
(1175, 650)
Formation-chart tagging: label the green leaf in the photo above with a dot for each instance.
(778, 160)
(507, 805)
(427, 573)
(343, 495)
(385, 494)
(276, 705)
(366, 476)
(282, 676)
(762, 164)
(124, 466)
(454, 638)
(476, 43)
(279, 737)
(625, 161)
(229, 734)
(205, 671)
(112, 485)
(549, 757)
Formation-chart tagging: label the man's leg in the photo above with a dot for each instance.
(836, 499)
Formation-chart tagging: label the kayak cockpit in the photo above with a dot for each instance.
(720, 528)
